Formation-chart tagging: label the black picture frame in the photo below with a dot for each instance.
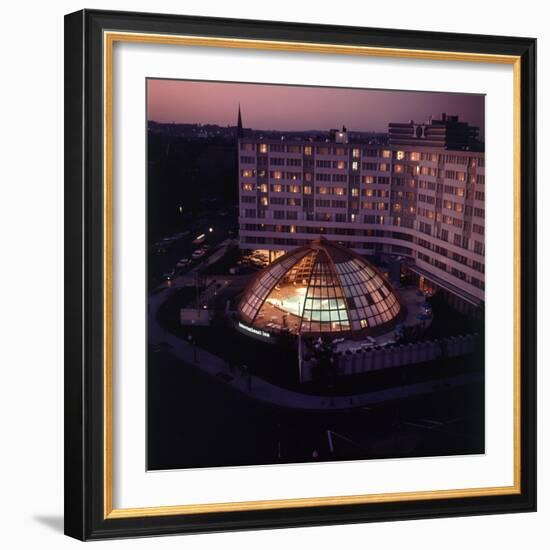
(85, 517)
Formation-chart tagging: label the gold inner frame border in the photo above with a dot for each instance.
(109, 40)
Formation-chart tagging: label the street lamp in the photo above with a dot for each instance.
(193, 345)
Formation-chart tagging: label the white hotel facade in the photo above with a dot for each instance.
(420, 198)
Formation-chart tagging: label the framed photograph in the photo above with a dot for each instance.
(300, 274)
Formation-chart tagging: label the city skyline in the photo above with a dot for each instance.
(275, 107)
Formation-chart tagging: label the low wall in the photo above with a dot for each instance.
(366, 360)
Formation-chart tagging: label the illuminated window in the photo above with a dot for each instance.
(367, 205)
(399, 168)
(293, 229)
(459, 191)
(369, 192)
(307, 189)
(397, 207)
(386, 154)
(353, 217)
(400, 155)
(263, 147)
(354, 192)
(323, 190)
(247, 173)
(248, 187)
(294, 188)
(356, 153)
(264, 201)
(415, 155)
(263, 188)
(277, 175)
(341, 165)
(277, 188)
(364, 323)
(355, 165)
(461, 176)
(308, 150)
(368, 179)
(339, 191)
(383, 167)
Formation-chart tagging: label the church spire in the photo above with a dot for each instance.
(240, 131)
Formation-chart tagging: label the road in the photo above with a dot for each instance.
(194, 421)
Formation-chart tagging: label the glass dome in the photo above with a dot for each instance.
(318, 288)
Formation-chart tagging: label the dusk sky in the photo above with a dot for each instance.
(280, 107)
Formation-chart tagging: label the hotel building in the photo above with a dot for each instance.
(418, 200)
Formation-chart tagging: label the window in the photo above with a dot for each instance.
(247, 147)
(277, 175)
(248, 187)
(264, 201)
(308, 150)
(386, 154)
(356, 153)
(415, 155)
(339, 191)
(354, 192)
(400, 155)
(277, 188)
(294, 188)
(263, 147)
(368, 179)
(322, 190)
(294, 162)
(248, 173)
(263, 188)
(355, 165)
(307, 189)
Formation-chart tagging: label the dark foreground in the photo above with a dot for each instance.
(196, 421)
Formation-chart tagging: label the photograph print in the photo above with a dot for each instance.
(315, 282)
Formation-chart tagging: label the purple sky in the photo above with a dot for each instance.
(281, 107)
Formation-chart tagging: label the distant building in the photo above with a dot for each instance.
(447, 133)
(419, 198)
